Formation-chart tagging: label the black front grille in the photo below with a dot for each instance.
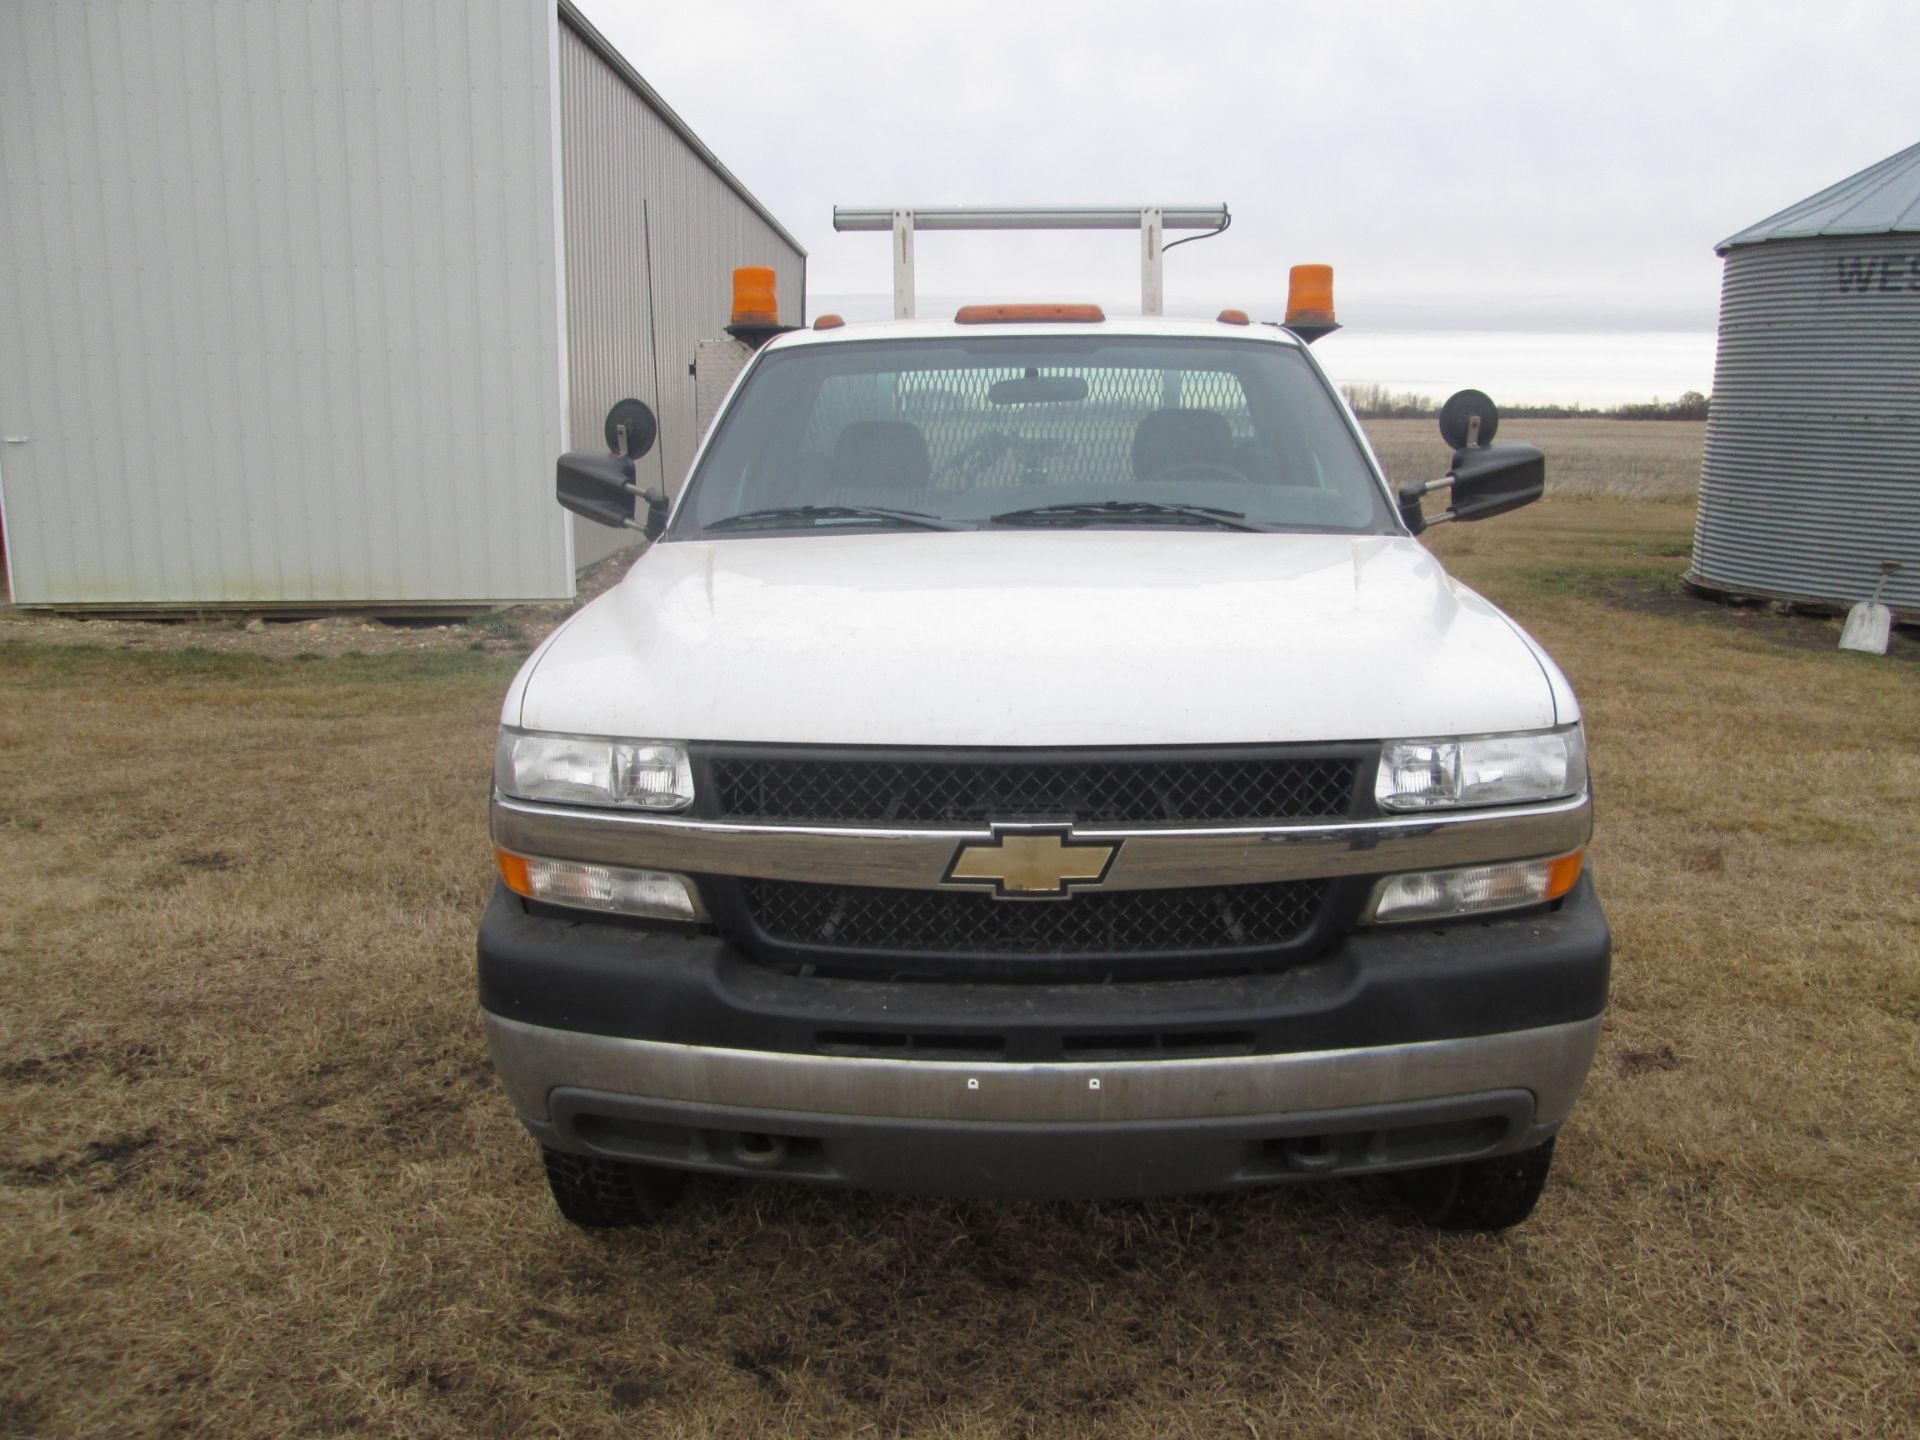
(1111, 792)
(1113, 922)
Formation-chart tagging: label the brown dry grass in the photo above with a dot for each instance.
(255, 1178)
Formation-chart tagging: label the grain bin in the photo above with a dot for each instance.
(1811, 480)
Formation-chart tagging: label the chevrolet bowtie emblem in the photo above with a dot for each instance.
(1031, 862)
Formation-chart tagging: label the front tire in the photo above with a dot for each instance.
(598, 1194)
(1491, 1194)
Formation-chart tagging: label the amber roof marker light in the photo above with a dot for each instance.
(1310, 302)
(1027, 314)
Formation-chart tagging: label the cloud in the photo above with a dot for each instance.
(1465, 165)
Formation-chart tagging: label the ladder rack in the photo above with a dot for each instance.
(1149, 220)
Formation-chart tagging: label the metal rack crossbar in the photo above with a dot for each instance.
(1150, 220)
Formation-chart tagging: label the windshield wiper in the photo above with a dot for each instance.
(775, 515)
(1126, 512)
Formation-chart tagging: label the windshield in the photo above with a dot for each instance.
(1033, 431)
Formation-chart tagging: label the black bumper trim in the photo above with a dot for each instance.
(1386, 986)
(1084, 1160)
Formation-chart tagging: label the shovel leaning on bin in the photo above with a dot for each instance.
(1870, 624)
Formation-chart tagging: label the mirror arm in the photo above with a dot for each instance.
(1413, 490)
(656, 504)
(1409, 497)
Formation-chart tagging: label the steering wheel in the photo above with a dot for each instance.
(1201, 470)
(982, 453)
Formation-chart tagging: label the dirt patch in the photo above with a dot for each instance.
(513, 629)
(1780, 623)
(1662, 592)
(499, 632)
(101, 1166)
(128, 1061)
(1639, 1062)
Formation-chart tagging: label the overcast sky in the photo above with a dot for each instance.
(1504, 166)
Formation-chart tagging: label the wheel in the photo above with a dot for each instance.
(1490, 1194)
(599, 1194)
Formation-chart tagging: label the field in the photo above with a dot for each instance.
(1588, 459)
(256, 1177)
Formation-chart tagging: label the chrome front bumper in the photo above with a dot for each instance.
(1082, 1128)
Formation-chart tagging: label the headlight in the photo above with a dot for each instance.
(591, 770)
(1482, 769)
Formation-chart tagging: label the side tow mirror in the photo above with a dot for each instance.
(1485, 479)
(603, 488)
(1495, 479)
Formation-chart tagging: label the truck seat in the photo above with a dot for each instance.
(1166, 439)
(880, 462)
(1255, 460)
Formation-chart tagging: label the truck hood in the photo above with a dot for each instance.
(1038, 637)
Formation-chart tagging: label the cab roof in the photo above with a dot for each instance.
(946, 329)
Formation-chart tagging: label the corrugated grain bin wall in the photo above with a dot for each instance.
(1811, 477)
(279, 317)
(631, 170)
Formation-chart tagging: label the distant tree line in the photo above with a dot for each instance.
(1690, 406)
(1376, 402)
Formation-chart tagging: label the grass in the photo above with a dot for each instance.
(256, 1177)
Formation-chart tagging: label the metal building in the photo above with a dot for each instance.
(1811, 481)
(300, 299)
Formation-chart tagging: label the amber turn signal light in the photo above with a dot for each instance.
(513, 870)
(1564, 873)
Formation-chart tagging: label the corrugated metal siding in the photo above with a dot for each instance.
(626, 175)
(278, 301)
(1812, 470)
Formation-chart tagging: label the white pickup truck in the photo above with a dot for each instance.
(1036, 757)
